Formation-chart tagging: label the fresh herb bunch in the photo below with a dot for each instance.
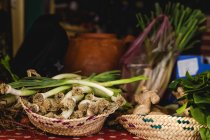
(197, 97)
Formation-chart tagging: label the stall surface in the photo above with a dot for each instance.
(30, 134)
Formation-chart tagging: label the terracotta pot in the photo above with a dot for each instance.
(93, 53)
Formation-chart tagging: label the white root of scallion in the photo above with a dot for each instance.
(162, 73)
(168, 75)
(119, 100)
(92, 97)
(83, 105)
(7, 100)
(96, 105)
(74, 96)
(77, 93)
(77, 114)
(7, 89)
(142, 83)
(69, 105)
(67, 113)
(59, 97)
(40, 97)
(93, 109)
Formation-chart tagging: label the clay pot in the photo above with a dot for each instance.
(93, 53)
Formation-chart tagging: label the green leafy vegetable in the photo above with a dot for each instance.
(208, 122)
(5, 63)
(197, 95)
(198, 115)
(181, 109)
(203, 133)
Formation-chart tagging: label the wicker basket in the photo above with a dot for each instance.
(68, 127)
(161, 127)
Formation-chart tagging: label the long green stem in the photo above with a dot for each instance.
(67, 76)
(123, 81)
(40, 97)
(55, 91)
(91, 84)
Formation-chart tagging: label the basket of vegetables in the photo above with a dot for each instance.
(154, 122)
(69, 104)
(166, 33)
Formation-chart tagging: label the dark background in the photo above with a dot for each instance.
(115, 16)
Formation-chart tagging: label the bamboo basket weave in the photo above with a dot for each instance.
(161, 127)
(68, 127)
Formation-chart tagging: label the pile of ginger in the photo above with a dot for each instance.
(147, 103)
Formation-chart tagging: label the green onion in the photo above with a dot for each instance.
(71, 98)
(99, 104)
(7, 89)
(83, 105)
(7, 100)
(67, 76)
(77, 114)
(123, 81)
(40, 97)
(105, 76)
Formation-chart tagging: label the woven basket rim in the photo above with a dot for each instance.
(64, 120)
(170, 116)
(156, 127)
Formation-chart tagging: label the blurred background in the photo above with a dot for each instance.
(80, 16)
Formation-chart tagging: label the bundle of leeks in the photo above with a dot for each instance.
(70, 95)
(162, 45)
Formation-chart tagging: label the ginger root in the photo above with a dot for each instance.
(180, 93)
(145, 99)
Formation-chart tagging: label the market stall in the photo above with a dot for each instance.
(76, 76)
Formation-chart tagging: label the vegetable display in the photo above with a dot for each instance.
(166, 32)
(193, 93)
(70, 95)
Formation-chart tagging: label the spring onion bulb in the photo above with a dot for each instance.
(40, 97)
(119, 100)
(77, 94)
(77, 114)
(7, 100)
(97, 105)
(92, 97)
(92, 109)
(33, 107)
(7, 89)
(59, 97)
(83, 105)
(67, 112)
